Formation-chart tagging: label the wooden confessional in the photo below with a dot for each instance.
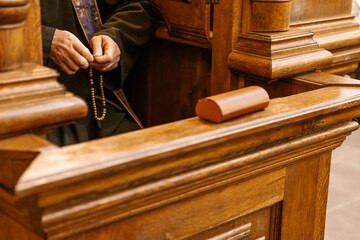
(260, 176)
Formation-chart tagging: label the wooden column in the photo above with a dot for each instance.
(270, 15)
(12, 45)
(268, 50)
(32, 102)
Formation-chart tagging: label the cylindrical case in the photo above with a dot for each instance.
(232, 104)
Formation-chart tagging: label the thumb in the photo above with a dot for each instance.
(96, 45)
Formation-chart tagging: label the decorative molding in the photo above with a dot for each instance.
(60, 221)
(130, 176)
(239, 233)
(13, 13)
(16, 155)
(340, 36)
(278, 55)
(31, 99)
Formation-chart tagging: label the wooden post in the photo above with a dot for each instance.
(270, 16)
(32, 102)
(12, 19)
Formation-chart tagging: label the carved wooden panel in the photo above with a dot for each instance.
(186, 19)
(239, 211)
(334, 29)
(305, 10)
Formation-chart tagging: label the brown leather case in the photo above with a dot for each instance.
(232, 104)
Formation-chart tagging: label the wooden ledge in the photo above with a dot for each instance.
(84, 186)
(87, 160)
(141, 171)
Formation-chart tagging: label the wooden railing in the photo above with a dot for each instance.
(261, 176)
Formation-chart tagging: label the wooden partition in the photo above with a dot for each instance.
(261, 176)
(210, 47)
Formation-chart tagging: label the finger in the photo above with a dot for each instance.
(107, 67)
(67, 70)
(108, 56)
(64, 62)
(96, 45)
(100, 65)
(76, 59)
(83, 51)
(69, 62)
(111, 51)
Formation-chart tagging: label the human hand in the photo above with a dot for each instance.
(69, 53)
(106, 53)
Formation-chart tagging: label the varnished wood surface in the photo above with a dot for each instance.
(16, 155)
(12, 44)
(270, 21)
(308, 10)
(280, 112)
(250, 39)
(271, 55)
(170, 94)
(9, 227)
(226, 26)
(32, 34)
(191, 179)
(176, 14)
(301, 178)
(334, 29)
(130, 160)
(132, 175)
(222, 107)
(31, 98)
(203, 219)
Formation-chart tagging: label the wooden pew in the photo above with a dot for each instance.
(261, 176)
(209, 47)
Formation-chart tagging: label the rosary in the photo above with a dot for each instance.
(101, 84)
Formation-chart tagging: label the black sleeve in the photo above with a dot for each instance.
(130, 25)
(47, 37)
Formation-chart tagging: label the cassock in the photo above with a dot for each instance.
(130, 24)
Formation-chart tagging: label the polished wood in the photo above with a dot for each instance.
(302, 83)
(248, 39)
(33, 97)
(16, 155)
(271, 55)
(232, 104)
(32, 35)
(334, 29)
(176, 15)
(32, 102)
(12, 18)
(222, 79)
(263, 175)
(270, 21)
(300, 178)
(223, 172)
(178, 85)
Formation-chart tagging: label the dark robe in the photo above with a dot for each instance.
(130, 24)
